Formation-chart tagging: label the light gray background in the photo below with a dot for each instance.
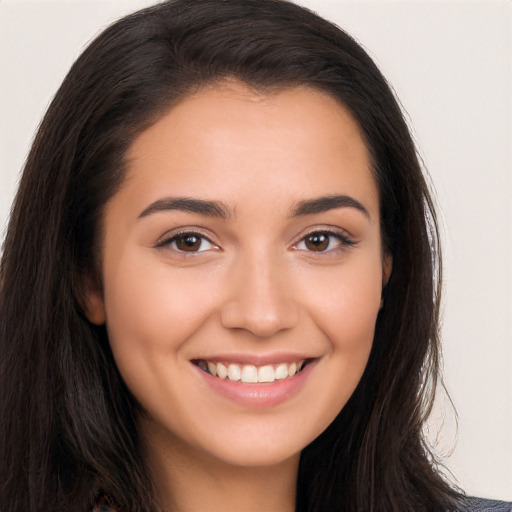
(450, 64)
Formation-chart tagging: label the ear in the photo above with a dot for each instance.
(387, 267)
(94, 306)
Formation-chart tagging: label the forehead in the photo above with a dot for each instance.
(228, 138)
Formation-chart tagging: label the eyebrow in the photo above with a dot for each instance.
(326, 203)
(187, 204)
(220, 210)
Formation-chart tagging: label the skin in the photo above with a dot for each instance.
(254, 285)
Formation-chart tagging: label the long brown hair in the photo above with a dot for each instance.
(68, 421)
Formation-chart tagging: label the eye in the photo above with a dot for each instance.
(323, 241)
(187, 242)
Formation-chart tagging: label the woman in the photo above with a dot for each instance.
(220, 279)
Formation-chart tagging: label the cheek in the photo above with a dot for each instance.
(151, 312)
(152, 297)
(346, 306)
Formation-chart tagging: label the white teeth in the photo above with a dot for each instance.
(266, 374)
(222, 371)
(212, 368)
(249, 374)
(281, 372)
(234, 372)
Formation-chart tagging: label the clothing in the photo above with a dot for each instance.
(482, 505)
(105, 504)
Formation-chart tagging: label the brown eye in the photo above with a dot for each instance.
(324, 242)
(189, 242)
(317, 242)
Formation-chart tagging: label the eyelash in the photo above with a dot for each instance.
(343, 241)
(342, 238)
(175, 237)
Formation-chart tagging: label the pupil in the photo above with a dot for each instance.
(318, 242)
(188, 242)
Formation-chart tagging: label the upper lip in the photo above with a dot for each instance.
(257, 359)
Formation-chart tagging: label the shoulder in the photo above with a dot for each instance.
(483, 505)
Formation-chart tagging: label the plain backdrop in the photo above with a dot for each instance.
(450, 64)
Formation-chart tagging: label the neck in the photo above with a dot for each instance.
(190, 480)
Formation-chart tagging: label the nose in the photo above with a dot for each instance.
(261, 299)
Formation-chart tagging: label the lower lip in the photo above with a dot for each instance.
(258, 395)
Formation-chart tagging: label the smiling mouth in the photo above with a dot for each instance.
(250, 373)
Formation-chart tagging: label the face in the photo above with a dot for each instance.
(242, 272)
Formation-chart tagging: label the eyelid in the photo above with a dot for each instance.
(170, 236)
(344, 238)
